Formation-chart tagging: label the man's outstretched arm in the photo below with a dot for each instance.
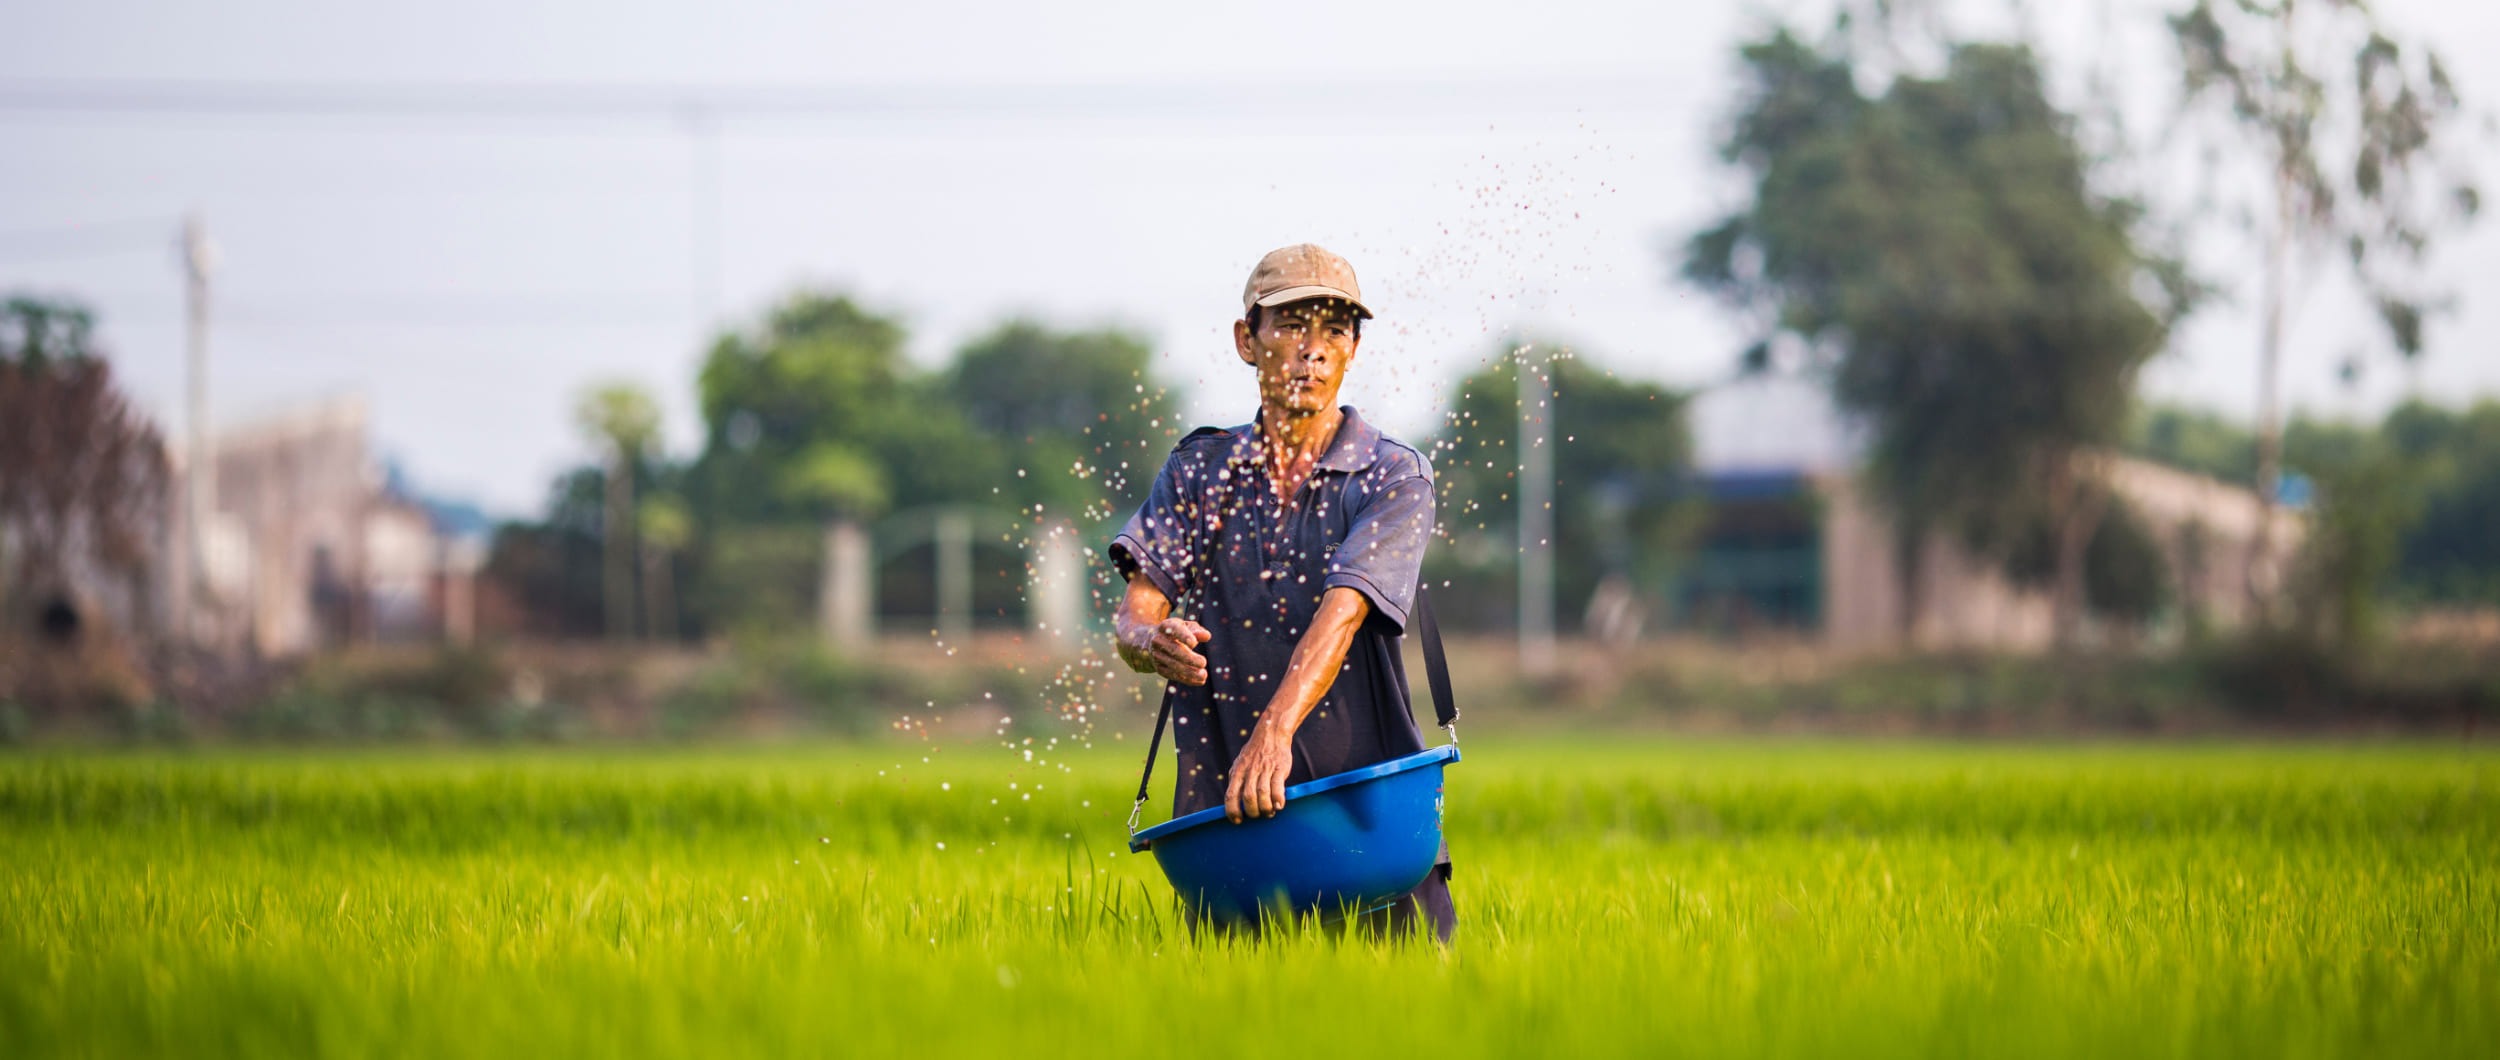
(1153, 642)
(1256, 787)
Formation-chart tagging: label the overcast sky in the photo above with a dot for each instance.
(956, 163)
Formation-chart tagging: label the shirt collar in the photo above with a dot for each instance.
(1356, 446)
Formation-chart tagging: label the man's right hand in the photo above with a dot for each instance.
(1168, 648)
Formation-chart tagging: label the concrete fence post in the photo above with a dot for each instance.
(846, 603)
(1056, 597)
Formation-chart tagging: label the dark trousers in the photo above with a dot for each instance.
(1428, 904)
(1430, 901)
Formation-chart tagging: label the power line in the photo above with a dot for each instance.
(87, 240)
(1349, 101)
(623, 310)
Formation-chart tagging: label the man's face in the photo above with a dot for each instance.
(1301, 350)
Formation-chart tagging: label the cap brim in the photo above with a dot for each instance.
(1304, 294)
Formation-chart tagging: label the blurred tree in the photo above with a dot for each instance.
(622, 421)
(2319, 446)
(1081, 412)
(1622, 451)
(2452, 552)
(812, 417)
(552, 569)
(664, 528)
(85, 492)
(2192, 439)
(835, 480)
(817, 414)
(550, 578)
(84, 482)
(2351, 161)
(1941, 248)
(2368, 497)
(2125, 577)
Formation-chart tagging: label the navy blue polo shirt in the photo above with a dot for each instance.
(1250, 567)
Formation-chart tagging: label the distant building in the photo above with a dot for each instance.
(1793, 545)
(312, 546)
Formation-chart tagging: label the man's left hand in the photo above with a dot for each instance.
(1257, 787)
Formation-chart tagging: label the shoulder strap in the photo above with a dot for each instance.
(1436, 664)
(1436, 676)
(1145, 777)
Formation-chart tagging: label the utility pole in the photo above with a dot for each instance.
(1536, 514)
(199, 463)
(704, 219)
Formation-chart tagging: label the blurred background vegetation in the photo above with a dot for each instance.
(1971, 277)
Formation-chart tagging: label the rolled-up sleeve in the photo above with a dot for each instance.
(1382, 556)
(1160, 541)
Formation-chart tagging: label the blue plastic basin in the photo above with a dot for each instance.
(1344, 843)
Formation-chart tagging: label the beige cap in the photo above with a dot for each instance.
(1303, 270)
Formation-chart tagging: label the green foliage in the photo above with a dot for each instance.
(1080, 414)
(36, 332)
(835, 477)
(397, 696)
(2452, 553)
(2125, 576)
(2428, 475)
(823, 374)
(759, 579)
(620, 418)
(2283, 675)
(817, 414)
(552, 567)
(2193, 439)
(2368, 498)
(1981, 307)
(1621, 452)
(795, 682)
(664, 523)
(1636, 898)
(2354, 129)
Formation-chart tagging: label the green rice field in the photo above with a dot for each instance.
(1643, 895)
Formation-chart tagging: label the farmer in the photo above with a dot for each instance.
(1271, 570)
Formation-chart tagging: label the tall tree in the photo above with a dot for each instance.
(817, 412)
(1621, 451)
(1973, 298)
(813, 416)
(2448, 460)
(2452, 553)
(2350, 126)
(623, 421)
(84, 484)
(554, 567)
(1081, 410)
(664, 528)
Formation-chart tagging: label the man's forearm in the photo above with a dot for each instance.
(1317, 659)
(1153, 642)
(1142, 608)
